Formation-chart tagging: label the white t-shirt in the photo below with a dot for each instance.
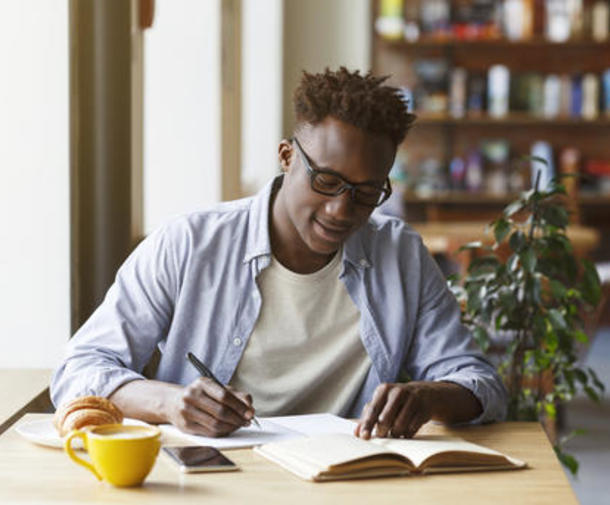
(304, 354)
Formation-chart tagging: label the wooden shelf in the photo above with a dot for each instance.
(459, 197)
(500, 43)
(593, 199)
(515, 119)
(484, 198)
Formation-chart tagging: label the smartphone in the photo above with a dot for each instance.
(197, 458)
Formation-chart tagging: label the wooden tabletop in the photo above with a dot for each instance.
(31, 473)
(20, 388)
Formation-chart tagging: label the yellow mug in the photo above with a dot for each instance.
(121, 455)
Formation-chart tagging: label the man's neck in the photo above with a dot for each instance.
(286, 244)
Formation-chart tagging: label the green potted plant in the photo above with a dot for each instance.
(525, 295)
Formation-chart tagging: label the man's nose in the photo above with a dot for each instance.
(340, 206)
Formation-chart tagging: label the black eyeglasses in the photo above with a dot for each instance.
(330, 183)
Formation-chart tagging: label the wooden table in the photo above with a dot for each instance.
(21, 390)
(30, 473)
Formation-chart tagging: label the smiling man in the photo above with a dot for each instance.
(299, 298)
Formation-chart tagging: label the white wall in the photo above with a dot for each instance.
(34, 183)
(181, 109)
(321, 33)
(262, 30)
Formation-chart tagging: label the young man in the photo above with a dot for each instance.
(298, 298)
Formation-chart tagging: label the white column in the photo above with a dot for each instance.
(262, 33)
(181, 109)
(34, 183)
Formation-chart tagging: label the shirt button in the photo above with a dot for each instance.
(237, 342)
(364, 263)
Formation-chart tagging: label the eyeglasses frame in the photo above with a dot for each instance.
(346, 185)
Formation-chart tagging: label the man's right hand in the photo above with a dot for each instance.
(201, 408)
(205, 408)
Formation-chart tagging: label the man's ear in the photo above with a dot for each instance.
(285, 153)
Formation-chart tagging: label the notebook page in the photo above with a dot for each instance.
(324, 451)
(239, 439)
(421, 448)
(316, 424)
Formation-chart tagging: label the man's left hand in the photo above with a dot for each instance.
(399, 410)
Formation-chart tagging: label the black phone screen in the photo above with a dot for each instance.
(197, 458)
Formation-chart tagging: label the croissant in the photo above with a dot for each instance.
(86, 411)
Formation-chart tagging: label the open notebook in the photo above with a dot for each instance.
(342, 456)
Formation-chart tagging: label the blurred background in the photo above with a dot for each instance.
(116, 115)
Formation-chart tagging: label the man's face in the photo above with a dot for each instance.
(321, 222)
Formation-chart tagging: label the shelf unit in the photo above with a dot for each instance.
(442, 136)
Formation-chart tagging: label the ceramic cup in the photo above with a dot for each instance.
(121, 455)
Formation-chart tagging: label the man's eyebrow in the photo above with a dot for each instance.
(328, 170)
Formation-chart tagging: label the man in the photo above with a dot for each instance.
(298, 298)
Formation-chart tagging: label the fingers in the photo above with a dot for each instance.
(245, 398)
(208, 408)
(199, 422)
(371, 412)
(409, 419)
(396, 410)
(395, 400)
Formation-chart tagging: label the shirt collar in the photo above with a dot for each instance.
(259, 243)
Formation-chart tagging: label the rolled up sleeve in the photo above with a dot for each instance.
(117, 341)
(443, 349)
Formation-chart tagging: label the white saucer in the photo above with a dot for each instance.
(43, 432)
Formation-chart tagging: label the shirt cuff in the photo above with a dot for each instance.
(491, 395)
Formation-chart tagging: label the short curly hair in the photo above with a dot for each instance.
(360, 100)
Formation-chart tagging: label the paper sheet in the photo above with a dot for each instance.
(273, 429)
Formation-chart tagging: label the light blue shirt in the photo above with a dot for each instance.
(191, 286)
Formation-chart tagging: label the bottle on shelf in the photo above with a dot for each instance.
(590, 96)
(558, 17)
(474, 171)
(599, 21)
(576, 97)
(552, 96)
(606, 92)
(390, 23)
(457, 92)
(542, 150)
(498, 89)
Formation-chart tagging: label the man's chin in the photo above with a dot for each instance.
(326, 239)
(324, 247)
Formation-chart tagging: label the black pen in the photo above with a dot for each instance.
(206, 372)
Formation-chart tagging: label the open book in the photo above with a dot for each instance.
(341, 456)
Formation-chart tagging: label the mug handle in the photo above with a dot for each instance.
(74, 457)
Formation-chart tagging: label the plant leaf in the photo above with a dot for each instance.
(501, 229)
(557, 288)
(556, 215)
(477, 244)
(557, 319)
(528, 259)
(591, 287)
(581, 336)
(513, 207)
(599, 384)
(567, 460)
(481, 337)
(591, 393)
(516, 241)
